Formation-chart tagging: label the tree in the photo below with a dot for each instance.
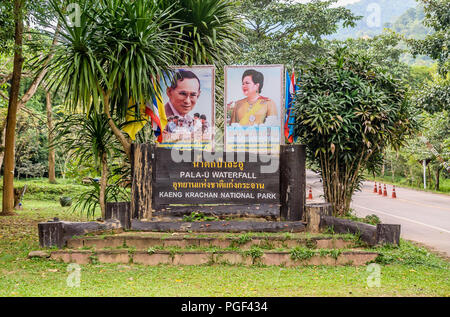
(8, 177)
(88, 138)
(384, 50)
(15, 102)
(51, 149)
(434, 95)
(433, 139)
(287, 32)
(120, 49)
(347, 110)
(435, 45)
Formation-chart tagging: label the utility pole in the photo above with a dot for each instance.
(424, 174)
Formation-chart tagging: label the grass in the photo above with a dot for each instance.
(405, 271)
(41, 189)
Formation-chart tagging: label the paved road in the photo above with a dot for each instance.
(424, 217)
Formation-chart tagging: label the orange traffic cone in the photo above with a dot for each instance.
(385, 191)
(394, 195)
(380, 192)
(310, 194)
(375, 188)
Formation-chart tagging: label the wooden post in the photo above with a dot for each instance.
(51, 234)
(313, 214)
(142, 156)
(119, 211)
(388, 234)
(292, 182)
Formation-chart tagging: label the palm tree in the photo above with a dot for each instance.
(119, 48)
(209, 31)
(115, 53)
(88, 138)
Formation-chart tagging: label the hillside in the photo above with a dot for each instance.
(410, 24)
(377, 14)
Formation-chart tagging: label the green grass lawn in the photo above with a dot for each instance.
(405, 271)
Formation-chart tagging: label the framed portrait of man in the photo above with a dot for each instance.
(254, 112)
(188, 98)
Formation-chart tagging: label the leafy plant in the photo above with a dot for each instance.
(198, 216)
(348, 109)
(301, 254)
(88, 138)
(243, 239)
(88, 201)
(254, 252)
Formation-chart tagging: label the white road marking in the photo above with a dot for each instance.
(403, 218)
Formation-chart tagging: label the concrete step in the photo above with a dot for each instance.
(143, 241)
(295, 257)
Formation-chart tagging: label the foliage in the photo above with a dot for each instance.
(121, 47)
(31, 146)
(287, 32)
(115, 52)
(434, 95)
(347, 109)
(407, 161)
(407, 254)
(208, 33)
(39, 189)
(198, 216)
(370, 219)
(435, 45)
(254, 252)
(85, 137)
(383, 50)
(88, 202)
(410, 23)
(301, 254)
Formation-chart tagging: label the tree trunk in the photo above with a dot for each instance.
(392, 171)
(116, 131)
(28, 94)
(103, 184)
(438, 171)
(51, 150)
(8, 177)
(430, 179)
(2, 143)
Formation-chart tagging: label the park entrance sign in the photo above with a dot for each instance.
(255, 167)
(166, 177)
(242, 178)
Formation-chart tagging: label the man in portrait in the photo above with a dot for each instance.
(183, 95)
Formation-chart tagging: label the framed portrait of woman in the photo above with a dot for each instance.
(188, 99)
(254, 112)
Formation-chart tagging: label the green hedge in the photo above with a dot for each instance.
(41, 189)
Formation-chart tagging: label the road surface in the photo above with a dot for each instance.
(424, 217)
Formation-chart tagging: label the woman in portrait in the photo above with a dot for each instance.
(254, 109)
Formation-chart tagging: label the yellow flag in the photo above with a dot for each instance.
(134, 123)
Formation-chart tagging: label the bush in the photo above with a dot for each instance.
(40, 189)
